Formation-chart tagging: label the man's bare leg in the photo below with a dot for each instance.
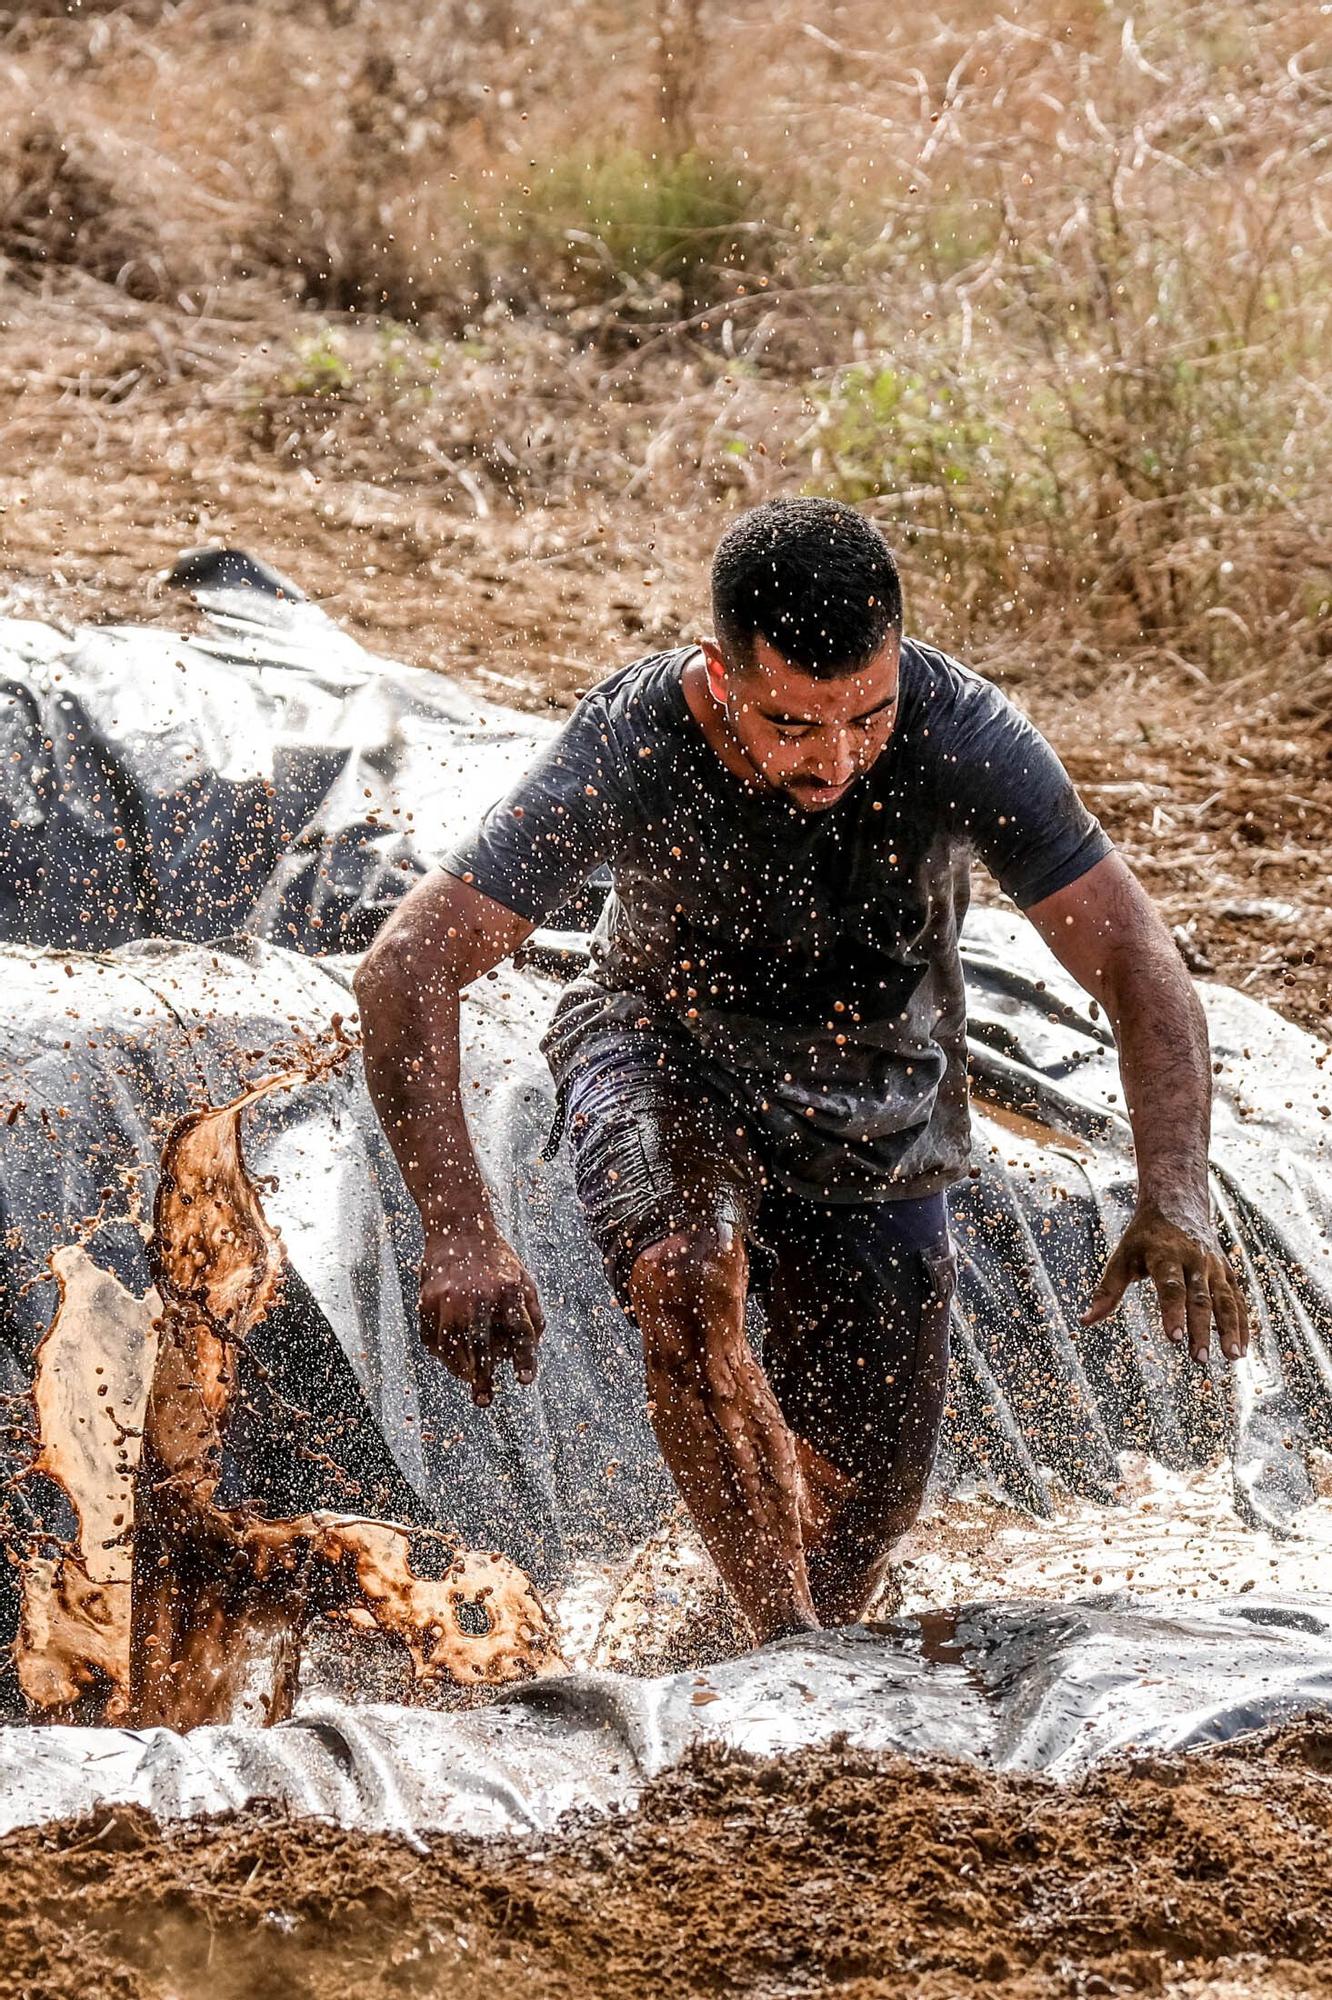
(721, 1431)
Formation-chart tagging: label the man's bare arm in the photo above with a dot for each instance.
(478, 1305)
(1104, 930)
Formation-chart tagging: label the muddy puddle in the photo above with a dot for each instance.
(1171, 1539)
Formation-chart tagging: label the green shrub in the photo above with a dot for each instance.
(1130, 436)
(319, 367)
(665, 233)
(386, 362)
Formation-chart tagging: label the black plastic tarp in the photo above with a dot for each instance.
(268, 772)
(275, 789)
(1027, 1688)
(265, 775)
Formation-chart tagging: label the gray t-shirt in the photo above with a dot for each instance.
(810, 958)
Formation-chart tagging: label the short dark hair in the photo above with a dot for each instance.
(814, 578)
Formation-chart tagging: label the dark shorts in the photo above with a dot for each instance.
(855, 1297)
(657, 1146)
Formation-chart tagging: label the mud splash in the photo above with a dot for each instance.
(164, 1606)
(94, 1370)
(1170, 1538)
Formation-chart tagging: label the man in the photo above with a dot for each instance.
(763, 1075)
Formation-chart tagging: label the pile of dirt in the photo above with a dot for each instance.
(830, 1870)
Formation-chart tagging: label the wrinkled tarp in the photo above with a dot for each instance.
(236, 765)
(101, 1052)
(270, 773)
(267, 775)
(1025, 1688)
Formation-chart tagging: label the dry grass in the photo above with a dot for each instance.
(1049, 293)
(1122, 400)
(479, 318)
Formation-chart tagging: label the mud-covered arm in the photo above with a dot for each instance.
(478, 1304)
(530, 852)
(1104, 930)
(442, 936)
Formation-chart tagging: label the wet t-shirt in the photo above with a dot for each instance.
(810, 958)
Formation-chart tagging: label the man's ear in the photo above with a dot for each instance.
(716, 669)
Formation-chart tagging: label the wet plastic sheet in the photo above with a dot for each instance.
(1027, 1688)
(265, 775)
(236, 765)
(238, 762)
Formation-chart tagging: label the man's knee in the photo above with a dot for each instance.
(688, 1295)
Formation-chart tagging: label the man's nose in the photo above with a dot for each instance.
(837, 757)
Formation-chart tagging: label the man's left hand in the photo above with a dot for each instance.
(1194, 1283)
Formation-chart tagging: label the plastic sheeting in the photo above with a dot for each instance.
(266, 775)
(269, 776)
(1023, 1688)
(100, 1052)
(268, 771)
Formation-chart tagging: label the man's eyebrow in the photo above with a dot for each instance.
(810, 721)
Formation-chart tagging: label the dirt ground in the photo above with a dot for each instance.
(833, 1871)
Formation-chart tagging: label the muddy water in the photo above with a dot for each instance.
(1172, 1538)
(165, 1606)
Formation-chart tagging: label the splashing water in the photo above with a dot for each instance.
(1172, 1538)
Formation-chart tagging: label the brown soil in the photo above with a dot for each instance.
(1220, 794)
(1208, 1874)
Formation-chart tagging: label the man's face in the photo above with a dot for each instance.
(809, 738)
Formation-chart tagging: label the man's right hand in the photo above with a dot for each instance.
(479, 1307)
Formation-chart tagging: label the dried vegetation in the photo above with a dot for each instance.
(479, 316)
